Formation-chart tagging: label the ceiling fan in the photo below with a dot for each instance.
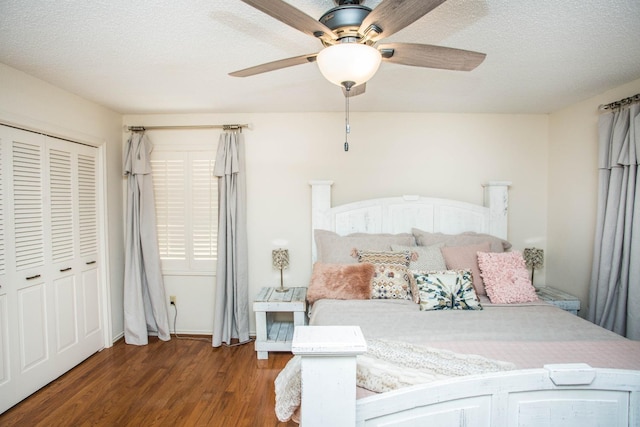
(350, 33)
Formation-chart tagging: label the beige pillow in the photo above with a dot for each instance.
(392, 278)
(429, 257)
(424, 238)
(466, 258)
(335, 249)
(340, 281)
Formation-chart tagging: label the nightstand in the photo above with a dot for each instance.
(559, 298)
(275, 334)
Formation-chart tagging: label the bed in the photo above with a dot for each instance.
(497, 362)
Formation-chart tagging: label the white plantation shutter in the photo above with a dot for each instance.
(186, 199)
(204, 206)
(169, 191)
(88, 200)
(61, 205)
(28, 205)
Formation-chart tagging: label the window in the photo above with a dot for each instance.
(186, 195)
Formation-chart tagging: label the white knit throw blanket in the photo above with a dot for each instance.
(386, 366)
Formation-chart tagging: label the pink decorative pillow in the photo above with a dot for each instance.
(340, 281)
(506, 278)
(466, 258)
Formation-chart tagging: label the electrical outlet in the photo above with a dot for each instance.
(172, 300)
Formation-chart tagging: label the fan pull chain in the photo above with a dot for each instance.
(347, 127)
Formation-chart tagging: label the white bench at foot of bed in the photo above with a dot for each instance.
(567, 394)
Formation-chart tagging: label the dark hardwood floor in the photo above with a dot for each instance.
(181, 382)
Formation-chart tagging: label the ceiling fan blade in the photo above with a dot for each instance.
(275, 65)
(429, 56)
(393, 15)
(293, 17)
(355, 91)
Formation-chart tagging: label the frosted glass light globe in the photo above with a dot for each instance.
(348, 62)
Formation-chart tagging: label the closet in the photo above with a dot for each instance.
(50, 297)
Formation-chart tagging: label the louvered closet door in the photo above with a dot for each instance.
(6, 386)
(50, 241)
(90, 310)
(32, 352)
(64, 285)
(73, 249)
(27, 325)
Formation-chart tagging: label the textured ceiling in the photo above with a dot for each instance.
(167, 56)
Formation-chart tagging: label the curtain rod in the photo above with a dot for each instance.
(622, 103)
(225, 127)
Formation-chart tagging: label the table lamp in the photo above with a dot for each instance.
(534, 259)
(280, 261)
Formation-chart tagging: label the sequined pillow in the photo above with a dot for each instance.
(392, 279)
(446, 290)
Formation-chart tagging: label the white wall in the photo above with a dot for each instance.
(439, 155)
(37, 105)
(572, 192)
(551, 161)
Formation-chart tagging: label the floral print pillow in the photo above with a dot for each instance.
(446, 290)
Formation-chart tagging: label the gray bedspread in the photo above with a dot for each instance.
(528, 335)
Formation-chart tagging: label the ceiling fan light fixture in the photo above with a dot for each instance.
(348, 62)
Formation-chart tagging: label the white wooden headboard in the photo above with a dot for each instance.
(401, 214)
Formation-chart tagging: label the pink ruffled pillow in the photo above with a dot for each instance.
(506, 278)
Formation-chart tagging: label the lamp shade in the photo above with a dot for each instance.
(280, 258)
(348, 62)
(533, 258)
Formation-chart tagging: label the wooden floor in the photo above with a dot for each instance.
(176, 383)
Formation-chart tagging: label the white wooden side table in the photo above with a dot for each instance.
(559, 298)
(275, 334)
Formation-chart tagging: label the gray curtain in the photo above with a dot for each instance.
(614, 297)
(231, 315)
(145, 310)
